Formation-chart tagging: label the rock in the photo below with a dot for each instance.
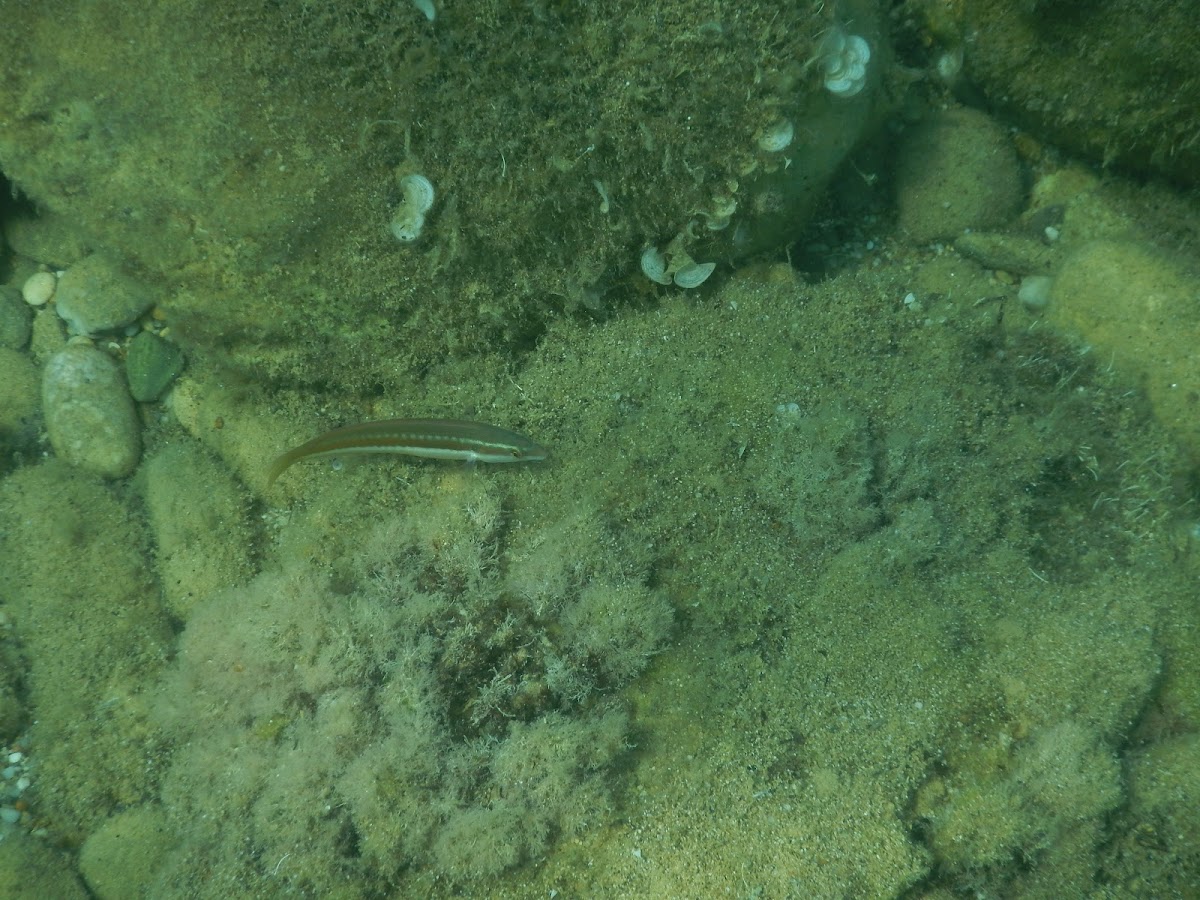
(151, 364)
(119, 859)
(90, 416)
(1010, 252)
(197, 514)
(95, 295)
(15, 319)
(958, 170)
(47, 336)
(32, 868)
(18, 395)
(1136, 305)
(51, 238)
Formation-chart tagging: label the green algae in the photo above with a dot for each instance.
(821, 592)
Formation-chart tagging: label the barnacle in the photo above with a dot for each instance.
(844, 61)
(675, 265)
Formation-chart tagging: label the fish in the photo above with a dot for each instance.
(429, 438)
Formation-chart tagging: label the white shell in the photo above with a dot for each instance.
(777, 137)
(654, 265)
(427, 8)
(694, 274)
(418, 192)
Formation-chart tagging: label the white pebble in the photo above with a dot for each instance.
(9, 816)
(39, 288)
(1035, 292)
(16, 756)
(22, 783)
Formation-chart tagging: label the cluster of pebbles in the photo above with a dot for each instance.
(14, 781)
(92, 375)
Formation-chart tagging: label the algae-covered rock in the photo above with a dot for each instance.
(957, 170)
(1136, 306)
(87, 616)
(269, 213)
(1115, 81)
(18, 395)
(15, 319)
(95, 295)
(1021, 801)
(33, 869)
(198, 517)
(118, 860)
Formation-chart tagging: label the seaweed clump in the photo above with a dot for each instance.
(432, 703)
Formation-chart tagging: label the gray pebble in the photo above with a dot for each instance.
(90, 416)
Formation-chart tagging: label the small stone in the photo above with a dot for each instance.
(1035, 292)
(95, 295)
(90, 416)
(1012, 252)
(151, 364)
(39, 288)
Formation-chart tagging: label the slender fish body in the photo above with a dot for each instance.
(431, 438)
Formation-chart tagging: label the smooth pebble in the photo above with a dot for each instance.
(39, 288)
(90, 415)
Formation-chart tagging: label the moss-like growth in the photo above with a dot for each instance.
(1102, 83)
(197, 514)
(819, 473)
(399, 710)
(76, 583)
(1017, 802)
